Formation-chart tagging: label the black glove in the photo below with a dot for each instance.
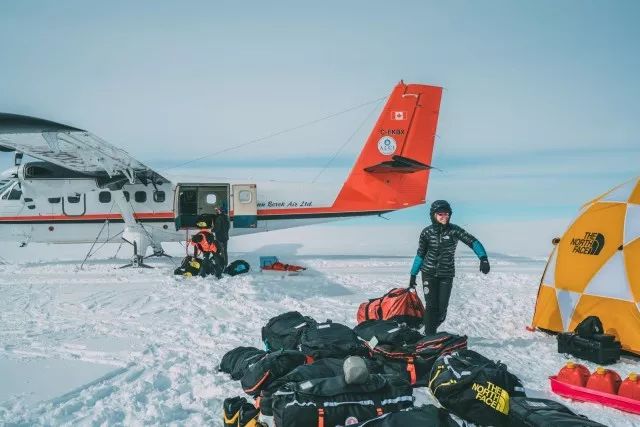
(412, 281)
(484, 265)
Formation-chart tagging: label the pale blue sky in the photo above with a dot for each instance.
(540, 110)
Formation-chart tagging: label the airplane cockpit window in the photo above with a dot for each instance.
(11, 191)
(15, 193)
(158, 196)
(73, 199)
(4, 184)
(54, 200)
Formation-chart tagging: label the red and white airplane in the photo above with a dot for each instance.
(81, 187)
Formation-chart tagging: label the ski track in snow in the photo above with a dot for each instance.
(156, 340)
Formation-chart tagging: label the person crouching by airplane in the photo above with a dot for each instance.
(434, 259)
(204, 243)
(221, 230)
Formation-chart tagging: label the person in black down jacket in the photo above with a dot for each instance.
(434, 259)
(221, 230)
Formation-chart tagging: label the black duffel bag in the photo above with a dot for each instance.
(414, 361)
(389, 332)
(531, 412)
(331, 339)
(427, 416)
(333, 402)
(272, 366)
(322, 368)
(235, 362)
(284, 331)
(473, 387)
(600, 348)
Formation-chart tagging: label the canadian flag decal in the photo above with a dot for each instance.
(398, 115)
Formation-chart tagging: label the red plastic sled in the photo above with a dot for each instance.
(584, 394)
(278, 266)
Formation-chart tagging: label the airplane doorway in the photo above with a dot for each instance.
(194, 200)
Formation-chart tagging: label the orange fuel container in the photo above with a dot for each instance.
(604, 380)
(630, 387)
(574, 373)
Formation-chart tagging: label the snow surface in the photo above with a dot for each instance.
(104, 346)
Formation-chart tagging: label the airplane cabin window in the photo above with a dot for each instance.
(104, 197)
(126, 195)
(73, 199)
(158, 196)
(54, 200)
(15, 194)
(244, 196)
(140, 196)
(211, 199)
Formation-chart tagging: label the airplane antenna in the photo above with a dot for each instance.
(280, 132)
(366, 119)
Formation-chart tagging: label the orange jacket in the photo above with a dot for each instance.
(204, 242)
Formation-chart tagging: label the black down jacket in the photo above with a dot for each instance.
(437, 246)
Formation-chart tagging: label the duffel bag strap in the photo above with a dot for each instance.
(320, 417)
(411, 369)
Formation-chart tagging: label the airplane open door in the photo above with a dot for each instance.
(245, 206)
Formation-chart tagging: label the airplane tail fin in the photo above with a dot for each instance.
(392, 170)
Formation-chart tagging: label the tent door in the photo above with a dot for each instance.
(245, 206)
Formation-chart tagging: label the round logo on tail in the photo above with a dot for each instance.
(387, 145)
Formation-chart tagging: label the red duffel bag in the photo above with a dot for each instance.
(401, 304)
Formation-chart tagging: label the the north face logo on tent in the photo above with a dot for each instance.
(591, 244)
(493, 396)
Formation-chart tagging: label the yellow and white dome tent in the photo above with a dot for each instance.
(595, 269)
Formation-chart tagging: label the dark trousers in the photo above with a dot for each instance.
(437, 291)
(225, 257)
(211, 264)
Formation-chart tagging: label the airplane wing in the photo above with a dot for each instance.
(70, 148)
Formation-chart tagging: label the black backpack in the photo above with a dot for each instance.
(236, 361)
(589, 327)
(190, 266)
(284, 331)
(387, 332)
(530, 412)
(239, 266)
(333, 402)
(331, 339)
(474, 388)
(272, 366)
(427, 416)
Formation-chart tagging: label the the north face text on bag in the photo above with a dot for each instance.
(493, 396)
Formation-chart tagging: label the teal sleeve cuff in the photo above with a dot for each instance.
(417, 263)
(478, 249)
